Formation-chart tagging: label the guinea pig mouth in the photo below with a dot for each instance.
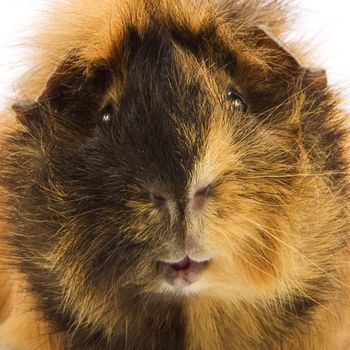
(184, 272)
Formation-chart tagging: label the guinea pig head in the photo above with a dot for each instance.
(176, 166)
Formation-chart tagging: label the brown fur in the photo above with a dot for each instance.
(275, 222)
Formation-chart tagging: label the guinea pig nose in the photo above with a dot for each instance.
(157, 199)
(200, 197)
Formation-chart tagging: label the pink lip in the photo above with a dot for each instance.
(183, 272)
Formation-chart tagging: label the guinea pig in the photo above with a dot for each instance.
(173, 177)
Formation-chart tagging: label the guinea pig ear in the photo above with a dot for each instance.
(70, 100)
(29, 115)
(265, 38)
(63, 85)
(57, 95)
(313, 78)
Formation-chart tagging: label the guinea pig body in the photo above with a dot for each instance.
(173, 178)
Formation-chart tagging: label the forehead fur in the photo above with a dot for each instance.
(94, 30)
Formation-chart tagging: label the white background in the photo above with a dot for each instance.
(326, 23)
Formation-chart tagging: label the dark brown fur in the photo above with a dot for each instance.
(82, 236)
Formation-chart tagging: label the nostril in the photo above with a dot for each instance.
(200, 197)
(202, 192)
(157, 199)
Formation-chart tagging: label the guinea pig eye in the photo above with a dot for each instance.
(238, 101)
(106, 115)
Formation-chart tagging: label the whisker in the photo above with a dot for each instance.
(298, 175)
(294, 250)
(296, 283)
(256, 267)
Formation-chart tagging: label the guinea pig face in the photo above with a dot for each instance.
(170, 169)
